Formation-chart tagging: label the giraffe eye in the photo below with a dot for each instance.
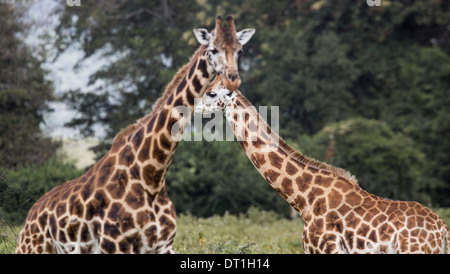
(212, 94)
(229, 93)
(214, 51)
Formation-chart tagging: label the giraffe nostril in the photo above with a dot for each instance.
(232, 76)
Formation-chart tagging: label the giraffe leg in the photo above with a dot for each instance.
(342, 246)
(170, 250)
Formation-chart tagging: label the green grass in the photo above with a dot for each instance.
(8, 235)
(259, 232)
(254, 232)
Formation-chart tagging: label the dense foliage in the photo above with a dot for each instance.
(24, 94)
(29, 165)
(26, 184)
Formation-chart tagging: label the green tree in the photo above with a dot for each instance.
(324, 61)
(28, 163)
(29, 183)
(420, 108)
(24, 97)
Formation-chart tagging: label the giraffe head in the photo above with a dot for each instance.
(224, 45)
(216, 98)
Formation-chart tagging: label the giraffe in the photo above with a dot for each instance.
(120, 205)
(339, 216)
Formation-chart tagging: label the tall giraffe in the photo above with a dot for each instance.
(120, 205)
(340, 217)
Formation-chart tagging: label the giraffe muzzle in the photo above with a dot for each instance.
(232, 81)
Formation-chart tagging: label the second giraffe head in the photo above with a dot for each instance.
(216, 98)
(224, 45)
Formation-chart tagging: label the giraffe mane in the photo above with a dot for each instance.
(301, 158)
(158, 105)
(123, 133)
(295, 154)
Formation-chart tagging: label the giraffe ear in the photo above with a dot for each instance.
(203, 36)
(244, 35)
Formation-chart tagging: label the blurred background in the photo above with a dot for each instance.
(364, 88)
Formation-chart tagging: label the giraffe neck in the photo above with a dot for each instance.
(146, 148)
(289, 172)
